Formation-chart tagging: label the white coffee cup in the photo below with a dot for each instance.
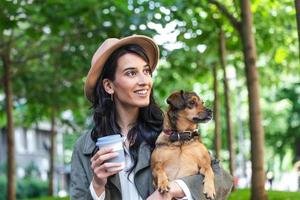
(116, 143)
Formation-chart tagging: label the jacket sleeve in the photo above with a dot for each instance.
(223, 183)
(79, 189)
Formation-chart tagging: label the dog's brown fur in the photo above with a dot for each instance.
(173, 160)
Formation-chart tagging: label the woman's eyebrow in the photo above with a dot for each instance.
(129, 68)
(133, 68)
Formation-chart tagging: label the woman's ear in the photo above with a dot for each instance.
(108, 86)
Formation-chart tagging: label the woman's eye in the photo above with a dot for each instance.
(147, 71)
(131, 73)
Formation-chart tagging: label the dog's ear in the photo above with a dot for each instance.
(176, 100)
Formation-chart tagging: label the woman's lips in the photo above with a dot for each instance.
(142, 92)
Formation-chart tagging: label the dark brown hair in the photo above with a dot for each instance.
(150, 119)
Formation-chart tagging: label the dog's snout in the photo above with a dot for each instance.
(197, 119)
(204, 116)
(209, 113)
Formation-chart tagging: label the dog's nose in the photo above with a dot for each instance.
(209, 111)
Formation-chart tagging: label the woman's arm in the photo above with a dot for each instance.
(223, 183)
(83, 166)
(79, 182)
(101, 169)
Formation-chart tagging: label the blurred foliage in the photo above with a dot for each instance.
(2, 168)
(26, 188)
(31, 170)
(3, 187)
(285, 120)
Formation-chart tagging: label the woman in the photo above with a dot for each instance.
(119, 85)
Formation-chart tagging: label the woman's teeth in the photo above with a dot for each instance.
(141, 91)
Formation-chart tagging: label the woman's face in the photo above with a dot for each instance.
(133, 81)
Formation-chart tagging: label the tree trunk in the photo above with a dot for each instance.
(52, 153)
(256, 129)
(297, 5)
(11, 162)
(297, 150)
(216, 113)
(230, 135)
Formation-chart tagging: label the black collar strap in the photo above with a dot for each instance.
(183, 136)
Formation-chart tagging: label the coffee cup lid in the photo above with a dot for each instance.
(109, 139)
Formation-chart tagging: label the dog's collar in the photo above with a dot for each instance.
(175, 136)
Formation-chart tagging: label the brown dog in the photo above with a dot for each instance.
(179, 152)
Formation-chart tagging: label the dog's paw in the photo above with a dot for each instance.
(163, 187)
(209, 191)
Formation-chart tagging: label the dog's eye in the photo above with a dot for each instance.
(192, 103)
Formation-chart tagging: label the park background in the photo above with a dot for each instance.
(241, 56)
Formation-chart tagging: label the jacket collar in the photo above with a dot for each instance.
(143, 162)
(143, 158)
(89, 144)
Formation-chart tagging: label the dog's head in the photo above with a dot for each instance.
(188, 105)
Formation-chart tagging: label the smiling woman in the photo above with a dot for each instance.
(119, 86)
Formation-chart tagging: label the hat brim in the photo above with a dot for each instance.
(150, 47)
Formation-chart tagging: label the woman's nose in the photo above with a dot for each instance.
(144, 79)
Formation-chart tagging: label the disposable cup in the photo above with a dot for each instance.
(116, 143)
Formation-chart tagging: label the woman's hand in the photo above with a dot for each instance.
(174, 192)
(156, 195)
(101, 168)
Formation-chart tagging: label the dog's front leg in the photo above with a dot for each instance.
(161, 177)
(209, 185)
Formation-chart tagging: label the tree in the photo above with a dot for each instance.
(52, 152)
(230, 134)
(217, 139)
(6, 41)
(11, 164)
(244, 28)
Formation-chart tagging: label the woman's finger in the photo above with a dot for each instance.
(101, 152)
(107, 169)
(104, 157)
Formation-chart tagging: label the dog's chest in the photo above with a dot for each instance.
(181, 161)
(182, 153)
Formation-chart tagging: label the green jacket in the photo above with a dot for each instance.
(81, 175)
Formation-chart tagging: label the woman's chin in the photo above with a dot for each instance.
(143, 104)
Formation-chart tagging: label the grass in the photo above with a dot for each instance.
(243, 194)
(50, 198)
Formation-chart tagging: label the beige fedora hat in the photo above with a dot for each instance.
(107, 48)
